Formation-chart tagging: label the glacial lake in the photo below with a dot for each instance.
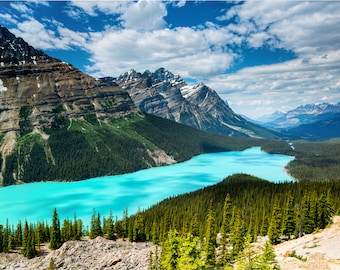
(36, 201)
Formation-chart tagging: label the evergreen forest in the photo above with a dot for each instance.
(93, 148)
(211, 227)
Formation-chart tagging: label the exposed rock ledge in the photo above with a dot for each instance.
(98, 253)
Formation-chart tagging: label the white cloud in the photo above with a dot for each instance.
(184, 50)
(39, 36)
(35, 33)
(258, 90)
(310, 30)
(8, 18)
(21, 7)
(144, 15)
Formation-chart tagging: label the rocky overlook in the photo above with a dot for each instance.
(34, 86)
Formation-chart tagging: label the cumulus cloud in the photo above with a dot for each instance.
(8, 18)
(142, 40)
(42, 37)
(281, 86)
(144, 15)
(141, 15)
(310, 30)
(185, 50)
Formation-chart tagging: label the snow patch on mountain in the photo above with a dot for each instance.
(2, 87)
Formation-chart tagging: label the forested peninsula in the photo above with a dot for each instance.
(211, 227)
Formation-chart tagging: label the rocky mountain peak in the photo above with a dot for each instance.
(167, 95)
(33, 85)
(15, 51)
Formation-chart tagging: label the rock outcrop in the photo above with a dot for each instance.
(95, 254)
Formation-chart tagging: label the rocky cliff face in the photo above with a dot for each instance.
(35, 87)
(167, 95)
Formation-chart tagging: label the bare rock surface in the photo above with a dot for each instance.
(321, 250)
(98, 253)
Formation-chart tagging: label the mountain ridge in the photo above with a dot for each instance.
(310, 121)
(167, 95)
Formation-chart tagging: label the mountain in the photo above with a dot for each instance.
(167, 95)
(34, 85)
(269, 117)
(311, 121)
(306, 114)
(320, 130)
(59, 124)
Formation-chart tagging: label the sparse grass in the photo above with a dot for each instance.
(294, 255)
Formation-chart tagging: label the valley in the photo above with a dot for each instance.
(59, 124)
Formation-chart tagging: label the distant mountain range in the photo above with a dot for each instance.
(166, 95)
(311, 121)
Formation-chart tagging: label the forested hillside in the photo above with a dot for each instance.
(210, 227)
(80, 149)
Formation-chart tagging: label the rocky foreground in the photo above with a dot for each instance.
(316, 251)
(98, 253)
(319, 250)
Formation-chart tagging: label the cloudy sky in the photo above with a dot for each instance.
(260, 56)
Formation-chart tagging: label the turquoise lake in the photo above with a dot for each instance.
(141, 189)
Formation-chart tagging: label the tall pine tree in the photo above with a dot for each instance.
(210, 238)
(55, 234)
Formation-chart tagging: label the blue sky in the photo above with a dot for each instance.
(260, 56)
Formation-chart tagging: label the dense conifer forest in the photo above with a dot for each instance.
(213, 226)
(91, 149)
(95, 149)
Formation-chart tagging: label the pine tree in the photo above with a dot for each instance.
(267, 258)
(55, 234)
(110, 227)
(289, 217)
(28, 247)
(139, 228)
(325, 211)
(154, 233)
(189, 254)
(170, 251)
(308, 217)
(95, 225)
(125, 224)
(18, 235)
(237, 234)
(247, 257)
(1, 238)
(210, 238)
(274, 229)
(194, 226)
(225, 229)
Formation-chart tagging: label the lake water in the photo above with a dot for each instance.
(141, 189)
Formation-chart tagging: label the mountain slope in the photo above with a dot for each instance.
(34, 87)
(167, 95)
(320, 130)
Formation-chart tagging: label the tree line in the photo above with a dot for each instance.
(214, 226)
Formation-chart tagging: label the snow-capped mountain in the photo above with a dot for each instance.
(268, 118)
(167, 95)
(306, 114)
(319, 130)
